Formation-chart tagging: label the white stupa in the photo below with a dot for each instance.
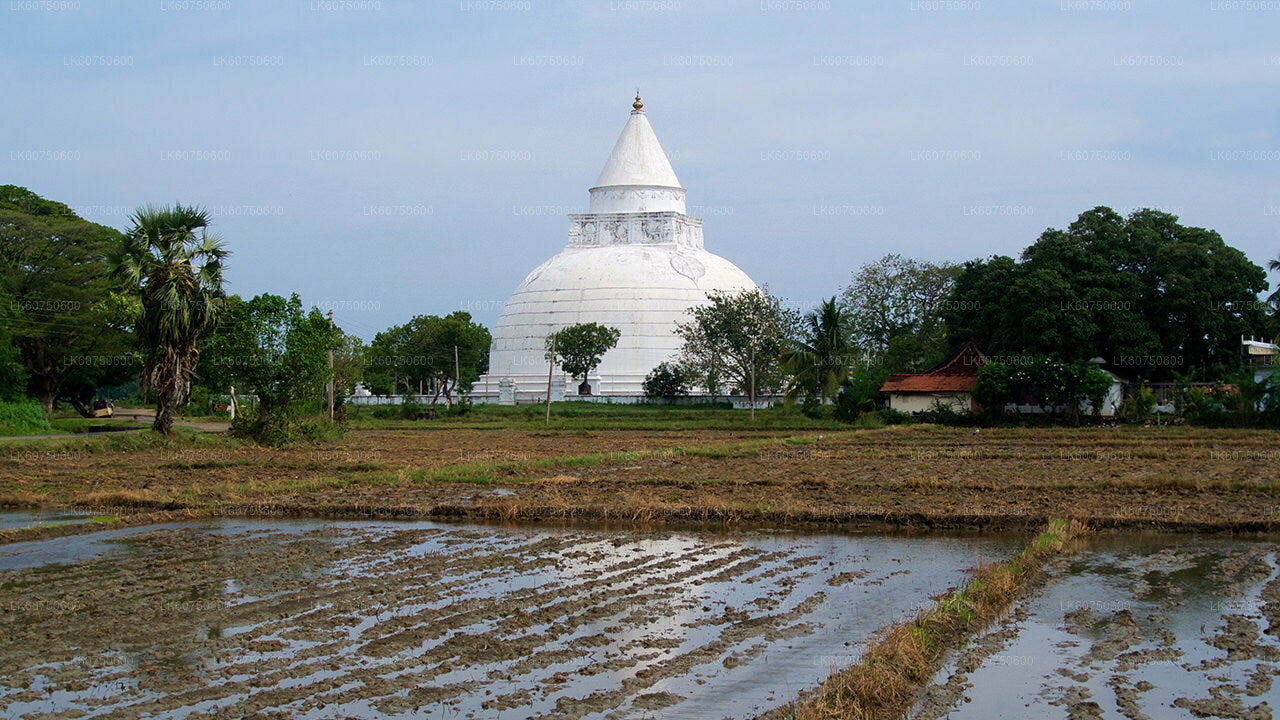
(634, 262)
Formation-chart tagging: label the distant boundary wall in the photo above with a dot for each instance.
(739, 402)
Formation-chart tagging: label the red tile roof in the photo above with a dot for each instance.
(958, 374)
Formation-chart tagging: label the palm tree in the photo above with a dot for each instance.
(173, 266)
(819, 361)
(1274, 266)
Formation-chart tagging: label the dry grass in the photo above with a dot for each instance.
(906, 655)
(919, 476)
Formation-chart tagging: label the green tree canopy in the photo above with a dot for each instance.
(441, 355)
(1273, 316)
(348, 363)
(271, 347)
(1057, 387)
(666, 381)
(172, 266)
(819, 358)
(63, 327)
(13, 376)
(1143, 292)
(578, 349)
(735, 338)
(895, 311)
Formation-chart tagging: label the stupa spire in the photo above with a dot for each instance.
(637, 176)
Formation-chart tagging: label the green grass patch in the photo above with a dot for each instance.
(210, 464)
(116, 442)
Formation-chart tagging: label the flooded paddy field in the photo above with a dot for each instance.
(15, 520)
(323, 619)
(1135, 626)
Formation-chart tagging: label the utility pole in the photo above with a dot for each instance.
(550, 368)
(457, 371)
(329, 385)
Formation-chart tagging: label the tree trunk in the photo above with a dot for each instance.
(166, 389)
(168, 376)
(46, 390)
(84, 410)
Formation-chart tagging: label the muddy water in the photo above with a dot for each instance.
(343, 619)
(14, 520)
(1134, 627)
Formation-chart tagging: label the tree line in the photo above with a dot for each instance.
(85, 307)
(1154, 299)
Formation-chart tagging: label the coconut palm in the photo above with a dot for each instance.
(820, 359)
(173, 266)
(1274, 266)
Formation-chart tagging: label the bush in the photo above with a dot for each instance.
(413, 410)
(666, 381)
(1137, 404)
(895, 417)
(281, 427)
(946, 414)
(813, 408)
(869, 419)
(319, 432)
(23, 417)
(847, 409)
(197, 402)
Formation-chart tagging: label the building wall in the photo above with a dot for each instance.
(922, 402)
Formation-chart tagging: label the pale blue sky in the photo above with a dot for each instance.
(386, 158)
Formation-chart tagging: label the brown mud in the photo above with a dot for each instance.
(1184, 630)
(358, 620)
(921, 477)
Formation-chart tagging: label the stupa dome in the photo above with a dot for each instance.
(635, 262)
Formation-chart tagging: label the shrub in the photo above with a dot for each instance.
(23, 417)
(946, 414)
(869, 420)
(281, 427)
(1138, 402)
(812, 407)
(667, 381)
(895, 417)
(197, 402)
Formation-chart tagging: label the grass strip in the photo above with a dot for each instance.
(86, 445)
(884, 681)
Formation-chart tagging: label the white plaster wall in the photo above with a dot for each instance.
(919, 402)
(643, 290)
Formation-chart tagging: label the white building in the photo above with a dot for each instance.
(1259, 356)
(635, 261)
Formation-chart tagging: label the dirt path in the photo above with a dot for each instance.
(149, 416)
